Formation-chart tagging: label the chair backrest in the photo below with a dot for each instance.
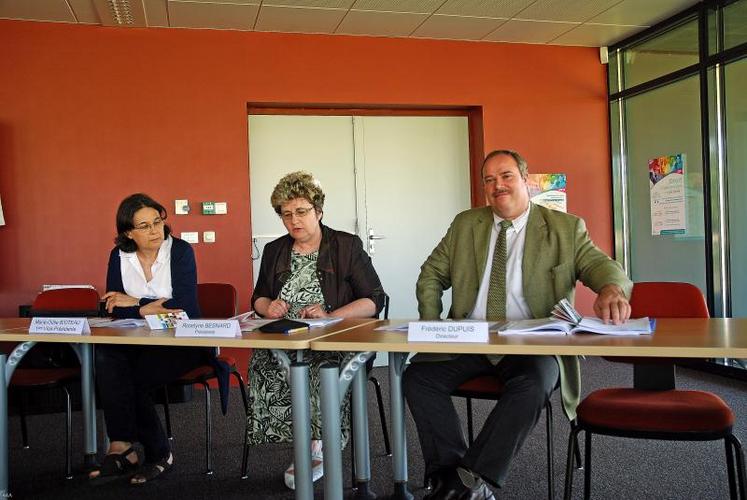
(66, 302)
(217, 300)
(658, 299)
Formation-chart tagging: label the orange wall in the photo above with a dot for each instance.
(90, 114)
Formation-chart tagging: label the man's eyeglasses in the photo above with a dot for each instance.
(146, 227)
(299, 212)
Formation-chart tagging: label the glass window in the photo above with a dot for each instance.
(735, 24)
(735, 74)
(612, 73)
(672, 50)
(665, 122)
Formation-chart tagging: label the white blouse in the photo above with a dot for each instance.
(133, 277)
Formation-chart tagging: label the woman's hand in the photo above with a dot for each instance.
(156, 307)
(277, 309)
(314, 311)
(119, 299)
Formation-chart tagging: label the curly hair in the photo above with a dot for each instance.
(297, 185)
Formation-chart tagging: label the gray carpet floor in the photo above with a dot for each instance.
(623, 468)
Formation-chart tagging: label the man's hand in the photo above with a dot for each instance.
(118, 299)
(611, 305)
(156, 307)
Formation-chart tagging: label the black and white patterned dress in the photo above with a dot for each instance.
(269, 419)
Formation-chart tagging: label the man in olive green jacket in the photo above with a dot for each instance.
(541, 256)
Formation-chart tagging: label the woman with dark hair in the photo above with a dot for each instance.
(311, 272)
(150, 272)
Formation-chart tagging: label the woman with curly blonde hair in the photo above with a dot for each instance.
(312, 272)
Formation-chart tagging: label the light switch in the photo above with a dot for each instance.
(221, 207)
(191, 237)
(208, 237)
(181, 207)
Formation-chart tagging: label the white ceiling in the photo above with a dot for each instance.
(593, 23)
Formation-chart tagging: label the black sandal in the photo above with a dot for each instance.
(114, 465)
(150, 471)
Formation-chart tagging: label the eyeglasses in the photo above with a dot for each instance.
(299, 212)
(146, 227)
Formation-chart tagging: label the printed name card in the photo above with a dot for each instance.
(447, 331)
(210, 328)
(64, 326)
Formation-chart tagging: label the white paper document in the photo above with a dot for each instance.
(116, 323)
(553, 326)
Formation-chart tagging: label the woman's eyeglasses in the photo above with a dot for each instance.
(146, 227)
(299, 212)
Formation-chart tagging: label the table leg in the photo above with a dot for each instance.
(330, 406)
(301, 416)
(360, 430)
(397, 410)
(654, 377)
(4, 493)
(88, 404)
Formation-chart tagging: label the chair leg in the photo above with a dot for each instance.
(167, 413)
(587, 468)
(382, 416)
(68, 435)
(550, 452)
(572, 444)
(576, 449)
(208, 430)
(730, 468)
(737, 446)
(245, 454)
(352, 459)
(22, 411)
(470, 430)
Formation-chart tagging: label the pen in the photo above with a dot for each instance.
(297, 330)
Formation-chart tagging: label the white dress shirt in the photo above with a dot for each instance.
(516, 306)
(133, 277)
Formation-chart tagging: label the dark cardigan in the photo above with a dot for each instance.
(344, 269)
(184, 296)
(183, 282)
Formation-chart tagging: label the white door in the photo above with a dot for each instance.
(321, 145)
(401, 178)
(416, 181)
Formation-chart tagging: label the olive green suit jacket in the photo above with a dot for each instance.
(557, 253)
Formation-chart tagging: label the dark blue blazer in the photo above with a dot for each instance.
(183, 282)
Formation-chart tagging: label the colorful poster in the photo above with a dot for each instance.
(548, 190)
(666, 176)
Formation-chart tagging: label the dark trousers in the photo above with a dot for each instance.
(126, 375)
(529, 382)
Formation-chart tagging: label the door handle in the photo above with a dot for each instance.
(372, 236)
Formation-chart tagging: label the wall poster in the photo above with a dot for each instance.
(548, 190)
(666, 176)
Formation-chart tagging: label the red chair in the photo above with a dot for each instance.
(650, 412)
(69, 302)
(217, 301)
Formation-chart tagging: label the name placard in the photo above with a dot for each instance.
(211, 328)
(64, 326)
(447, 331)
